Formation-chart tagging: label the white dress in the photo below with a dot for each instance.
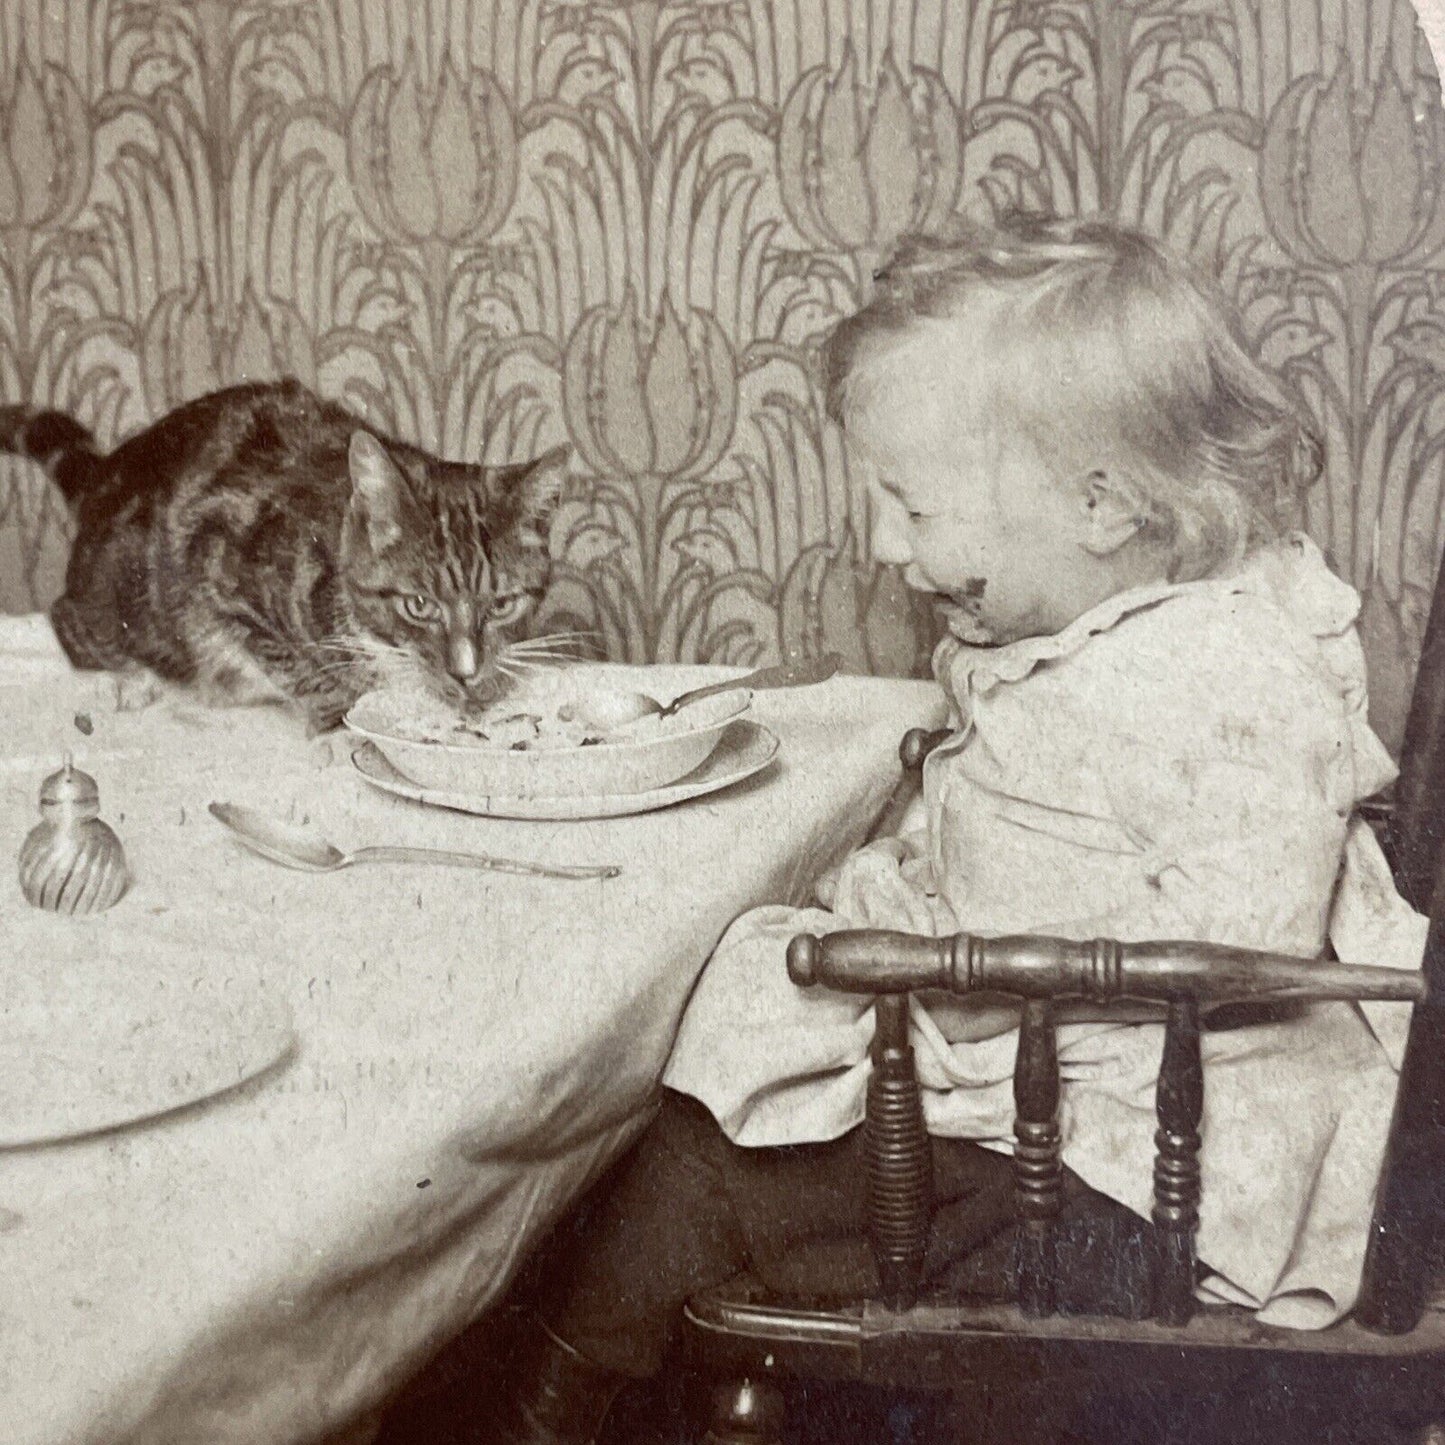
(1181, 762)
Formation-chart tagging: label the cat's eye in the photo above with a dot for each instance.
(416, 608)
(508, 608)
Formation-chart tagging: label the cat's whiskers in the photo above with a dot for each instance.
(376, 646)
(542, 651)
(331, 669)
(550, 649)
(402, 669)
(548, 657)
(554, 638)
(549, 639)
(524, 666)
(359, 648)
(337, 667)
(570, 632)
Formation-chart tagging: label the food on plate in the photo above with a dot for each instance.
(548, 713)
(605, 709)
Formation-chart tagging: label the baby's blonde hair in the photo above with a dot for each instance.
(1112, 355)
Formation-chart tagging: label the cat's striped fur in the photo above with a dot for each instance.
(263, 543)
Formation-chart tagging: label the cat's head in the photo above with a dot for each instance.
(445, 564)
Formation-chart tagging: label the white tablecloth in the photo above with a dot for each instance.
(472, 1048)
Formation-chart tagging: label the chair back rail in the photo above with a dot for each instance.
(877, 961)
(1042, 971)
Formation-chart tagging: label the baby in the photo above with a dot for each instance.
(1158, 699)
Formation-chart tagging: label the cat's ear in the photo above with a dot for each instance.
(536, 488)
(378, 490)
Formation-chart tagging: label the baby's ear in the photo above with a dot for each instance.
(1113, 510)
(378, 491)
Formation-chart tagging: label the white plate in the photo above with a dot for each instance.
(651, 754)
(744, 749)
(91, 1047)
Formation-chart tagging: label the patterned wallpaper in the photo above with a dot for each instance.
(491, 225)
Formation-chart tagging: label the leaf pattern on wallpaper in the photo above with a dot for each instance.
(493, 225)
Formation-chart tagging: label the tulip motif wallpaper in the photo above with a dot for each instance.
(493, 225)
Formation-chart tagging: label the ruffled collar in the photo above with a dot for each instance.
(1292, 573)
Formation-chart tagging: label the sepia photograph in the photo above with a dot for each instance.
(722, 722)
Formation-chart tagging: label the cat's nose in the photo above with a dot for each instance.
(463, 663)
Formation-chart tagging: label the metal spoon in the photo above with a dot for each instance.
(296, 846)
(803, 673)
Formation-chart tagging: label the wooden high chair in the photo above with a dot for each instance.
(1387, 1357)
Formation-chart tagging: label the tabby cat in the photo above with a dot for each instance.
(261, 543)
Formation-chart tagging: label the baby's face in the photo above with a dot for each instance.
(971, 511)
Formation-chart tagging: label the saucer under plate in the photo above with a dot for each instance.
(744, 749)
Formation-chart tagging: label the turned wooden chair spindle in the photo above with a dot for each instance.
(1038, 1169)
(899, 1162)
(1180, 1106)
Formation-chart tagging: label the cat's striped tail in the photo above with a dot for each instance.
(57, 442)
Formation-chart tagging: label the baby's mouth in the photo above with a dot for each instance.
(960, 614)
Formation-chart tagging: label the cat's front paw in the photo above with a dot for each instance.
(136, 689)
(321, 720)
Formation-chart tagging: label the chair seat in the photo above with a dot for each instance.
(941, 1346)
